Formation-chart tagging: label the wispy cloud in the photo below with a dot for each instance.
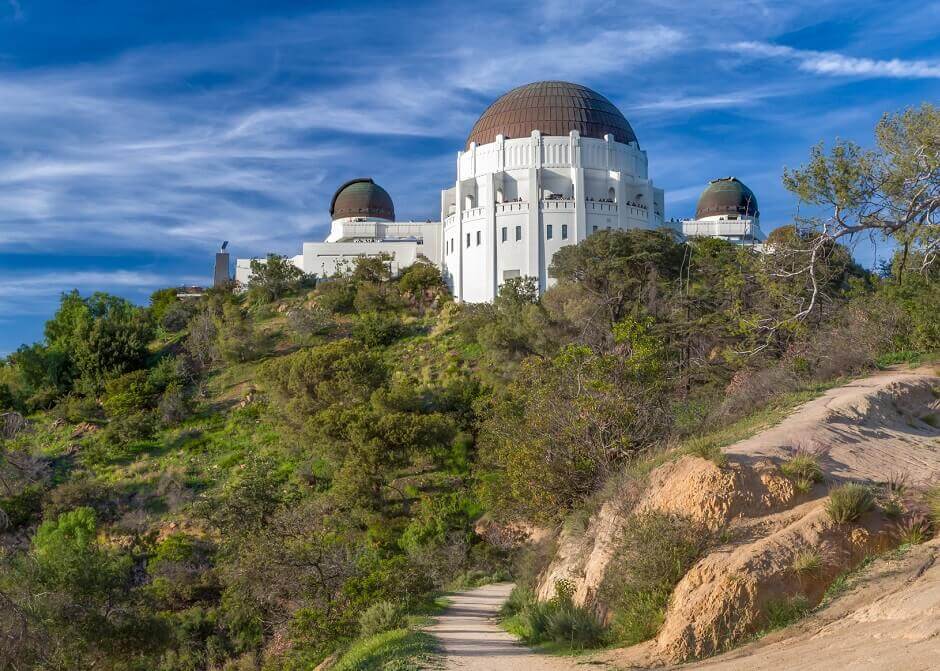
(17, 9)
(835, 64)
(37, 293)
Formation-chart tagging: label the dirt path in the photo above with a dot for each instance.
(472, 641)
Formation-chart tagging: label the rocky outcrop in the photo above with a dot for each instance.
(868, 431)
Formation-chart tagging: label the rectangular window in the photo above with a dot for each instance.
(593, 229)
(479, 237)
(468, 239)
(564, 231)
(505, 234)
(548, 232)
(518, 233)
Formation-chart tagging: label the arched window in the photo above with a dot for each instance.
(469, 202)
(499, 195)
(612, 195)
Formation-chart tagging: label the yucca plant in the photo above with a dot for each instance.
(849, 502)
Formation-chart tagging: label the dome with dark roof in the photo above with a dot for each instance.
(554, 108)
(362, 198)
(726, 195)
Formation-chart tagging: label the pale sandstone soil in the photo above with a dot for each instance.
(888, 620)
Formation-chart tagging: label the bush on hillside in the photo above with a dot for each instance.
(380, 617)
(657, 549)
(849, 502)
(377, 329)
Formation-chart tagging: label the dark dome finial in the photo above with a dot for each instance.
(362, 197)
(554, 108)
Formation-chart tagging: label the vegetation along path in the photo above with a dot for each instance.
(472, 641)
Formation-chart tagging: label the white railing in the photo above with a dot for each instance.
(472, 213)
(513, 206)
(557, 204)
(600, 206)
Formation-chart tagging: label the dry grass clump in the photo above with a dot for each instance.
(849, 502)
(803, 469)
(914, 530)
(808, 563)
(933, 504)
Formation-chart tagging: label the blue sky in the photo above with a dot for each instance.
(135, 136)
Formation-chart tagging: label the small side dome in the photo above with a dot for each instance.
(726, 195)
(362, 197)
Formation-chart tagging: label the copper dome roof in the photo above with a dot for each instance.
(554, 108)
(726, 195)
(362, 198)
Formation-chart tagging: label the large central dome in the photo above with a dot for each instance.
(554, 108)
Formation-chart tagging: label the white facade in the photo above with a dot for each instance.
(353, 237)
(518, 201)
(739, 229)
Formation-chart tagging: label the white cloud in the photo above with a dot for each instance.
(831, 63)
(38, 293)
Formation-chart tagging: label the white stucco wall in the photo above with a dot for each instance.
(538, 185)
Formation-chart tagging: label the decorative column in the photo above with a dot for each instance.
(458, 213)
(577, 180)
(533, 229)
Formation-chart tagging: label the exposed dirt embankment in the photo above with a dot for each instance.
(871, 430)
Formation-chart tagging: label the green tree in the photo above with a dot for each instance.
(559, 429)
(619, 272)
(273, 279)
(893, 189)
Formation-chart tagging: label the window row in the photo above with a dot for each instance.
(504, 235)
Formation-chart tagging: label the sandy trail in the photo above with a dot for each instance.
(471, 640)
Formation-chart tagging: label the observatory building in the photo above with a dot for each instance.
(726, 209)
(363, 224)
(546, 165)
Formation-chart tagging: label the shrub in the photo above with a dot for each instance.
(380, 617)
(336, 295)
(237, 340)
(657, 549)
(557, 620)
(176, 317)
(849, 502)
(802, 465)
(20, 508)
(519, 598)
(128, 394)
(915, 530)
(933, 504)
(377, 329)
(174, 406)
(807, 563)
(574, 626)
(803, 469)
(76, 409)
(306, 322)
(273, 278)
(782, 612)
